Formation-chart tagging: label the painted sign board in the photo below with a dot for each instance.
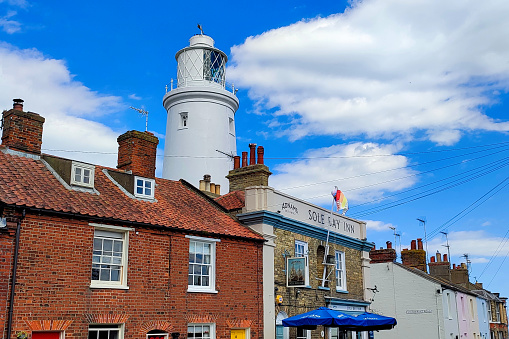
(297, 209)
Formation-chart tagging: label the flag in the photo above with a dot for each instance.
(340, 199)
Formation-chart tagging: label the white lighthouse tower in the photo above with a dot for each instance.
(200, 128)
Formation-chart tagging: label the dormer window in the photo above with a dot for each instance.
(144, 188)
(82, 174)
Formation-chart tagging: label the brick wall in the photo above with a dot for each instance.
(137, 153)
(252, 175)
(22, 131)
(308, 299)
(54, 277)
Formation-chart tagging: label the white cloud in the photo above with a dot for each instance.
(19, 3)
(49, 89)
(10, 26)
(384, 68)
(475, 243)
(378, 226)
(347, 166)
(134, 97)
(486, 223)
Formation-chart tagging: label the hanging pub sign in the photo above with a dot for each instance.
(296, 272)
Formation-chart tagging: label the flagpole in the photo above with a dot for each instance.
(327, 247)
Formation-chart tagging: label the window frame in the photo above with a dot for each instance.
(211, 288)
(119, 327)
(212, 327)
(183, 120)
(124, 232)
(144, 180)
(341, 270)
(83, 167)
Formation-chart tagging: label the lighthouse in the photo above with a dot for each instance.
(200, 128)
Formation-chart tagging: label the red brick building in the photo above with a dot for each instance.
(94, 252)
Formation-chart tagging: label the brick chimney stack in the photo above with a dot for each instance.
(254, 174)
(415, 257)
(459, 275)
(22, 131)
(440, 268)
(383, 255)
(137, 153)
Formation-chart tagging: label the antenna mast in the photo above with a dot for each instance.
(447, 245)
(144, 113)
(468, 264)
(423, 221)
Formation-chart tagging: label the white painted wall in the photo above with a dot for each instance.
(411, 299)
(482, 315)
(450, 314)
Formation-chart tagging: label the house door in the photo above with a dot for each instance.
(238, 334)
(45, 335)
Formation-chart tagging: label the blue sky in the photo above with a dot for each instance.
(401, 104)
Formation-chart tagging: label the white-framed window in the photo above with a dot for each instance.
(105, 331)
(109, 257)
(303, 334)
(82, 174)
(201, 331)
(497, 312)
(340, 271)
(231, 126)
(472, 312)
(184, 120)
(448, 301)
(143, 187)
(202, 264)
(157, 334)
(489, 312)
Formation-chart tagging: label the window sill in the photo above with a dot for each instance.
(324, 288)
(341, 291)
(111, 287)
(189, 290)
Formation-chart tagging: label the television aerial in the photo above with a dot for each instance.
(144, 113)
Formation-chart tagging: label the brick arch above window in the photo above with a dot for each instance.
(156, 325)
(208, 318)
(115, 318)
(48, 325)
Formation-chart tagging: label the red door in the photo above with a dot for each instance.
(45, 335)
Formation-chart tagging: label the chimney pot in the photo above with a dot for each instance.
(252, 155)
(439, 257)
(432, 259)
(412, 245)
(236, 162)
(18, 104)
(419, 243)
(218, 189)
(389, 244)
(260, 155)
(446, 258)
(244, 159)
(202, 185)
(454, 266)
(207, 177)
(212, 187)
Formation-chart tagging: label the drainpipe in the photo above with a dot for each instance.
(14, 269)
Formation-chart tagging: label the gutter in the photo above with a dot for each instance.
(14, 271)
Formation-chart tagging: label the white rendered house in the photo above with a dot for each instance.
(200, 128)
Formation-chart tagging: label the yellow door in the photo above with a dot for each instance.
(238, 334)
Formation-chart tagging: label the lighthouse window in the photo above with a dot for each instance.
(183, 120)
(213, 66)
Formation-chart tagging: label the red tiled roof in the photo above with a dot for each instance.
(28, 182)
(233, 200)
